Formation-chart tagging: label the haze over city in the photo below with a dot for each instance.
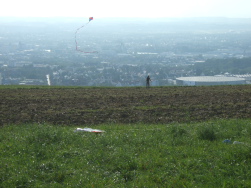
(130, 8)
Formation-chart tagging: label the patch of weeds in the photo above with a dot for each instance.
(178, 135)
(45, 134)
(207, 133)
(22, 181)
(59, 177)
(177, 131)
(47, 167)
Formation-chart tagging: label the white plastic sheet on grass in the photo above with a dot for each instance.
(90, 130)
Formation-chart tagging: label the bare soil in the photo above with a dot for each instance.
(91, 106)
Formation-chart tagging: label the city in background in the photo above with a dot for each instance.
(42, 51)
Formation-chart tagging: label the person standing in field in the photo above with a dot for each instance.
(148, 80)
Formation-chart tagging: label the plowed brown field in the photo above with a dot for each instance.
(82, 106)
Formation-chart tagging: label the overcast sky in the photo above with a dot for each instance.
(127, 8)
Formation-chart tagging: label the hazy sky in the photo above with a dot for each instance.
(127, 8)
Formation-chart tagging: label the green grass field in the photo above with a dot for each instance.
(127, 155)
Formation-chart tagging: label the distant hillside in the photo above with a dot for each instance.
(89, 106)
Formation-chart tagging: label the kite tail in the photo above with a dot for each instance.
(76, 42)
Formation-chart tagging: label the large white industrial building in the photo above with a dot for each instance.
(209, 80)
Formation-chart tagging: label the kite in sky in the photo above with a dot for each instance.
(90, 19)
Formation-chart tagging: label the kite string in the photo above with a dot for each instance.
(76, 42)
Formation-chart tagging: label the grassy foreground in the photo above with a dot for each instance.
(134, 155)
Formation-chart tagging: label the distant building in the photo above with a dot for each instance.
(209, 80)
(32, 82)
(247, 77)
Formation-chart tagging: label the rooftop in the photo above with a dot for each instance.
(210, 79)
